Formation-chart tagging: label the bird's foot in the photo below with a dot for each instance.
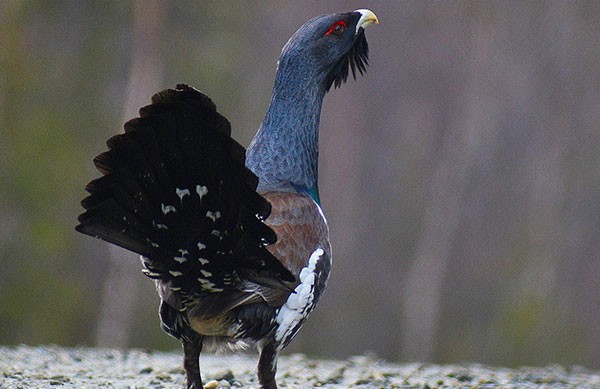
(191, 363)
(267, 367)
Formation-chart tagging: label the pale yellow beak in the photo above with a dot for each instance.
(366, 17)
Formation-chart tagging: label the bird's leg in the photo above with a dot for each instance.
(191, 362)
(267, 366)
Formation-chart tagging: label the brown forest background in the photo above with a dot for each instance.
(460, 176)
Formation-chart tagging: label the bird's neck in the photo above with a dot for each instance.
(284, 153)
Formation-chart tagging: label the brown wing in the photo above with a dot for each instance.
(300, 227)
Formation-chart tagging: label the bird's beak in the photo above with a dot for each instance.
(366, 17)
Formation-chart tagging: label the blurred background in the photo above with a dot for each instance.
(460, 176)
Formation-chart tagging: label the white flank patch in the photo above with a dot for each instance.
(299, 304)
(181, 193)
(213, 215)
(201, 190)
(167, 208)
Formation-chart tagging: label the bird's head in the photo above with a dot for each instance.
(327, 47)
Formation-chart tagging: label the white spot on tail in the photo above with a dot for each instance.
(213, 215)
(206, 273)
(201, 246)
(175, 273)
(167, 208)
(153, 244)
(300, 303)
(181, 258)
(181, 193)
(203, 261)
(202, 191)
(206, 284)
(159, 226)
(150, 273)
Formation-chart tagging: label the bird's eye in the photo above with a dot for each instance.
(336, 28)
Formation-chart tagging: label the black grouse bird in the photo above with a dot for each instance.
(236, 241)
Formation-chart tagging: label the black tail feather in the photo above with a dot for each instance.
(175, 189)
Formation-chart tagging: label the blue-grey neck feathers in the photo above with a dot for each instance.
(284, 152)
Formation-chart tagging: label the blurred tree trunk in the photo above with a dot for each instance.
(122, 284)
(472, 118)
(423, 290)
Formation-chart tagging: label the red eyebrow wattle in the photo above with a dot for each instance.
(334, 25)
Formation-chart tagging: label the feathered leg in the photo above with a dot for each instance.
(191, 362)
(267, 367)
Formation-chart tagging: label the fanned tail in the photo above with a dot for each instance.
(175, 190)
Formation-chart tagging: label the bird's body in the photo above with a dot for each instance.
(236, 242)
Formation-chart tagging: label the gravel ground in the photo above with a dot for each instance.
(42, 367)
